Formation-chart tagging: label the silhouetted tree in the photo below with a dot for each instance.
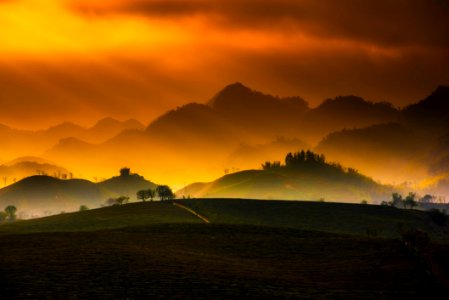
(396, 200)
(427, 199)
(165, 193)
(410, 200)
(117, 201)
(122, 200)
(151, 194)
(11, 210)
(142, 195)
(271, 165)
(125, 172)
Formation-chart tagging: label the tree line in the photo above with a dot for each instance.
(164, 192)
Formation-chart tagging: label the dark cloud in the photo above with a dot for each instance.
(385, 22)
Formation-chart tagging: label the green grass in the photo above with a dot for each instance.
(206, 261)
(133, 214)
(253, 249)
(330, 217)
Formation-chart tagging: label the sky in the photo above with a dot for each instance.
(81, 60)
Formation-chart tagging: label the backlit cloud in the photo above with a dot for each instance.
(81, 60)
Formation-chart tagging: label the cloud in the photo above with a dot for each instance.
(385, 22)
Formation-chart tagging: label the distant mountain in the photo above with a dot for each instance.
(195, 125)
(17, 142)
(431, 114)
(251, 156)
(23, 167)
(307, 178)
(348, 112)
(41, 195)
(257, 113)
(387, 151)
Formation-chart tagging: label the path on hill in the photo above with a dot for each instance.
(192, 212)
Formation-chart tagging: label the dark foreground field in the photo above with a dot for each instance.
(184, 259)
(208, 261)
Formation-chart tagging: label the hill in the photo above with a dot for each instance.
(335, 218)
(346, 112)
(28, 166)
(17, 142)
(113, 217)
(305, 175)
(390, 152)
(45, 195)
(429, 115)
(255, 249)
(126, 185)
(40, 195)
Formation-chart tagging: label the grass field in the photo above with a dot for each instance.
(251, 249)
(330, 217)
(133, 214)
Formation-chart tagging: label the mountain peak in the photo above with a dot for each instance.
(233, 91)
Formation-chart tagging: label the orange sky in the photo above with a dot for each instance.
(83, 60)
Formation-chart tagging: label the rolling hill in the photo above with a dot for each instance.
(303, 178)
(45, 195)
(252, 249)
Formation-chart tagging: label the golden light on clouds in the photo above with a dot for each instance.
(96, 56)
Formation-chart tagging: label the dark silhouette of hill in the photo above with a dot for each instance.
(193, 124)
(213, 134)
(385, 151)
(126, 185)
(304, 176)
(347, 112)
(257, 113)
(430, 115)
(41, 195)
(28, 166)
(17, 142)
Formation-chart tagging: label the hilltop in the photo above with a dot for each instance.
(305, 175)
(45, 195)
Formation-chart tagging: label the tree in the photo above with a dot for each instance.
(124, 172)
(142, 195)
(410, 200)
(10, 211)
(396, 200)
(117, 201)
(122, 200)
(151, 194)
(84, 208)
(165, 193)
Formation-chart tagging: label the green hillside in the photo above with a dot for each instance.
(130, 215)
(252, 249)
(305, 175)
(340, 218)
(337, 218)
(45, 195)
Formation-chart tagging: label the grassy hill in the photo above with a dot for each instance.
(43, 195)
(130, 215)
(339, 218)
(259, 250)
(305, 175)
